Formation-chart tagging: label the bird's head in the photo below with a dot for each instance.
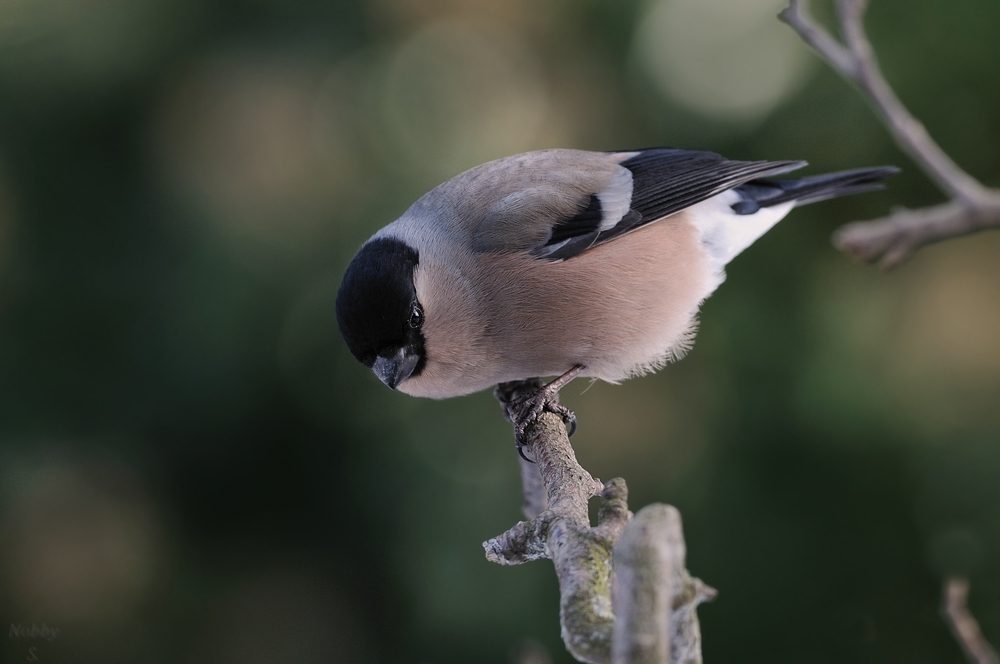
(378, 312)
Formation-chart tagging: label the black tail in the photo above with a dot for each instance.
(765, 193)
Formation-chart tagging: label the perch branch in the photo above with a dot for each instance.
(963, 624)
(535, 499)
(973, 206)
(584, 556)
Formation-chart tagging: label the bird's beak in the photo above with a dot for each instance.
(394, 370)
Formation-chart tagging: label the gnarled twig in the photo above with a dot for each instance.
(973, 206)
(650, 555)
(649, 560)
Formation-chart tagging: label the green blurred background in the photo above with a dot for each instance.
(194, 469)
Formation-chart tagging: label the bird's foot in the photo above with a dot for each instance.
(525, 400)
(528, 407)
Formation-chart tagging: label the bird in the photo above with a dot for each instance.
(562, 262)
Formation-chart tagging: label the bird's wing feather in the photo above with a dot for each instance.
(586, 199)
(520, 203)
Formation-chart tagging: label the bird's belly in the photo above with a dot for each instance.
(620, 309)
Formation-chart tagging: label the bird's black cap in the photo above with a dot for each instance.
(377, 303)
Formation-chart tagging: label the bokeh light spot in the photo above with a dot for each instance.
(239, 137)
(457, 94)
(727, 59)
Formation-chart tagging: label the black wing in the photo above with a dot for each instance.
(664, 181)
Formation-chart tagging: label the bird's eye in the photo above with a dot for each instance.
(416, 316)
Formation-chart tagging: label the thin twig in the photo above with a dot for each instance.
(973, 206)
(894, 238)
(797, 15)
(963, 624)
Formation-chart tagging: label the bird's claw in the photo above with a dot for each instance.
(523, 401)
(527, 408)
(567, 415)
(520, 452)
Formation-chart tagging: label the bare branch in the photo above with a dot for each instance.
(583, 555)
(614, 515)
(654, 598)
(814, 34)
(963, 624)
(562, 533)
(893, 239)
(859, 65)
(973, 207)
(685, 630)
(535, 499)
(910, 133)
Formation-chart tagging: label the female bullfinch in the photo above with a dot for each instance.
(561, 262)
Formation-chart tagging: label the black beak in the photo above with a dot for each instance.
(394, 370)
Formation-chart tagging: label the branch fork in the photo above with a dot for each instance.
(890, 241)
